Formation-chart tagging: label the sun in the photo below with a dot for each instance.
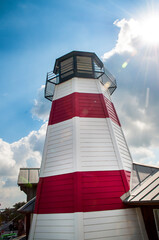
(149, 29)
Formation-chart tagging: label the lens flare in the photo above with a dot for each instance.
(124, 65)
(149, 30)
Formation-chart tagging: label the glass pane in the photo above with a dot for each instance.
(84, 64)
(67, 65)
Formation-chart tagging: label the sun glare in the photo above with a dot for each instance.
(149, 30)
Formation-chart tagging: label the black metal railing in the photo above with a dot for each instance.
(105, 76)
(109, 81)
(51, 81)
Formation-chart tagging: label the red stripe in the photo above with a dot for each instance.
(81, 192)
(111, 112)
(82, 105)
(126, 179)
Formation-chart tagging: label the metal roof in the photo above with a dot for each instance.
(28, 207)
(140, 173)
(146, 190)
(76, 53)
(28, 176)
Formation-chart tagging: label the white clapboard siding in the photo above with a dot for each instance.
(96, 148)
(58, 152)
(122, 147)
(63, 89)
(103, 90)
(114, 224)
(53, 227)
(84, 144)
(81, 85)
(86, 85)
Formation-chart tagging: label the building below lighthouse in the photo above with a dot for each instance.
(86, 165)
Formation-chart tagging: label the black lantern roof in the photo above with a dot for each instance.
(74, 54)
(78, 64)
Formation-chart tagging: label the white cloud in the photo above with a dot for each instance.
(29, 147)
(10, 195)
(6, 159)
(41, 106)
(127, 38)
(143, 155)
(140, 127)
(27, 152)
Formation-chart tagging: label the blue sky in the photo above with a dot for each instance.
(34, 33)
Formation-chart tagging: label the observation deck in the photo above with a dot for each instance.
(78, 64)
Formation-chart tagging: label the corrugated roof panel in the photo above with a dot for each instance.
(144, 191)
(156, 198)
(28, 207)
(147, 192)
(136, 191)
(141, 172)
(33, 175)
(23, 176)
(28, 175)
(153, 193)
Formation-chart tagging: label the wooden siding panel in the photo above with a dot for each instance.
(76, 85)
(81, 85)
(62, 109)
(112, 233)
(117, 224)
(50, 229)
(54, 236)
(96, 148)
(97, 189)
(58, 157)
(86, 85)
(123, 148)
(52, 192)
(64, 89)
(83, 105)
(90, 106)
(126, 237)
(86, 141)
(80, 192)
(104, 91)
(77, 104)
(111, 111)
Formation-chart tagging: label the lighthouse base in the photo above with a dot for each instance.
(123, 224)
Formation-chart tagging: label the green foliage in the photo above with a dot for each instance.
(10, 214)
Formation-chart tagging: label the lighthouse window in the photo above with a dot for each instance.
(67, 67)
(84, 64)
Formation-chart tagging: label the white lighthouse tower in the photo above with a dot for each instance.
(86, 163)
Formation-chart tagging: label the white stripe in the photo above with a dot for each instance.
(81, 85)
(84, 144)
(112, 224)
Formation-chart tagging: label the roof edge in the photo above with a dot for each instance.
(78, 53)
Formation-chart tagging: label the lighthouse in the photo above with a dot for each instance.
(86, 163)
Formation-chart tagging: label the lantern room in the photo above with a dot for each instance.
(78, 64)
